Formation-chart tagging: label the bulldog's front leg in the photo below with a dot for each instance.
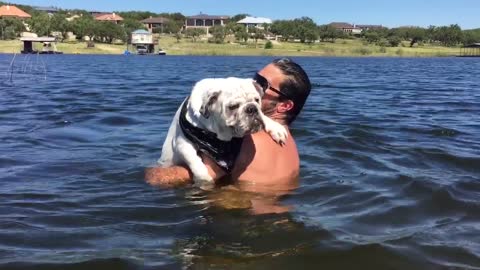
(276, 130)
(195, 163)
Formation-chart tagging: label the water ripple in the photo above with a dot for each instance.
(390, 175)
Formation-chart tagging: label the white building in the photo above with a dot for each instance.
(257, 22)
(142, 37)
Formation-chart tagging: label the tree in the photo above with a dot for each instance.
(131, 25)
(328, 32)
(449, 35)
(284, 28)
(371, 36)
(109, 31)
(218, 32)
(10, 27)
(60, 24)
(417, 34)
(241, 33)
(136, 15)
(173, 26)
(471, 36)
(256, 34)
(305, 29)
(194, 33)
(40, 23)
(178, 36)
(83, 26)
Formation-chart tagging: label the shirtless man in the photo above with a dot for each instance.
(260, 161)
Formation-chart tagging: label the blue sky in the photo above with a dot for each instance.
(466, 13)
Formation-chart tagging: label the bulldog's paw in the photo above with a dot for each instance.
(203, 181)
(277, 131)
(200, 174)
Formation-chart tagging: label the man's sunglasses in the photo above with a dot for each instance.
(264, 84)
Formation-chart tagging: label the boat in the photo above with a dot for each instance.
(161, 52)
(142, 50)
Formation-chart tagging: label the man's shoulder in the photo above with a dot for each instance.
(261, 143)
(262, 158)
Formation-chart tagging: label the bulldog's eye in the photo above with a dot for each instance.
(233, 107)
(257, 100)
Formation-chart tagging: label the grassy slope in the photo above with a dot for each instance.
(186, 47)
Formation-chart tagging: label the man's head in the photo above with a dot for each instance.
(286, 89)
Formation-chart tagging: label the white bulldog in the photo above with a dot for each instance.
(217, 112)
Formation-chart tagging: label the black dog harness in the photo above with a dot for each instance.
(224, 153)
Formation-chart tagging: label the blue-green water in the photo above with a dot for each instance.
(390, 168)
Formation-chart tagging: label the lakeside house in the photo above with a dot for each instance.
(204, 21)
(354, 29)
(109, 17)
(257, 22)
(143, 42)
(154, 23)
(346, 27)
(13, 11)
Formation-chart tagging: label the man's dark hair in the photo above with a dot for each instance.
(296, 85)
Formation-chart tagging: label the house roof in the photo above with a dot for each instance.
(255, 20)
(141, 31)
(155, 20)
(108, 17)
(47, 9)
(38, 39)
(13, 11)
(371, 26)
(341, 25)
(202, 16)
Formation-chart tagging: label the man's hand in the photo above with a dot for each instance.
(213, 169)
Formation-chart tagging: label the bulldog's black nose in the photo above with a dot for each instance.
(251, 109)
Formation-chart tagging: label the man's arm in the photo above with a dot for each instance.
(179, 175)
(170, 176)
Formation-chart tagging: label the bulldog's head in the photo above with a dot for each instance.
(229, 107)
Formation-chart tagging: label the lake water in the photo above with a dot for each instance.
(390, 168)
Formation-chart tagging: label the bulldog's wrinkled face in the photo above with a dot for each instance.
(236, 106)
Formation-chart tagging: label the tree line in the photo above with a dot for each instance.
(303, 29)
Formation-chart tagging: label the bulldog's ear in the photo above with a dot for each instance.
(258, 88)
(209, 100)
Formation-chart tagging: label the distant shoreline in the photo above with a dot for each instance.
(341, 48)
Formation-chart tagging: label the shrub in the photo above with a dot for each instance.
(269, 45)
(362, 51)
(394, 41)
(383, 49)
(399, 52)
(382, 43)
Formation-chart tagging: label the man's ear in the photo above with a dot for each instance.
(285, 106)
(208, 100)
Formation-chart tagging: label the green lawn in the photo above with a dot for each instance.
(347, 47)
